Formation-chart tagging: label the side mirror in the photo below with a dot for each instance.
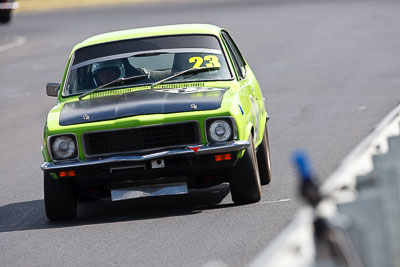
(52, 89)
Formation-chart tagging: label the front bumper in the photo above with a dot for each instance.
(9, 5)
(210, 149)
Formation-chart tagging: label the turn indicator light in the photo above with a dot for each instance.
(67, 173)
(223, 157)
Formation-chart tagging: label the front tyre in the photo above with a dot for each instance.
(264, 160)
(5, 16)
(59, 199)
(245, 181)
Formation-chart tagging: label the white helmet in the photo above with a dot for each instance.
(116, 66)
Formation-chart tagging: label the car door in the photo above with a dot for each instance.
(246, 80)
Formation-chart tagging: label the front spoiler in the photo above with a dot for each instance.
(210, 149)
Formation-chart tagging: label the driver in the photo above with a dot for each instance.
(107, 71)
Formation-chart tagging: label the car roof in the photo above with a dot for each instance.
(150, 32)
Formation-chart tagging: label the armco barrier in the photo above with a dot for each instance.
(366, 188)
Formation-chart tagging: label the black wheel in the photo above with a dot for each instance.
(245, 181)
(5, 16)
(264, 160)
(59, 199)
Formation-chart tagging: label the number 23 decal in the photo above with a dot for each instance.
(211, 61)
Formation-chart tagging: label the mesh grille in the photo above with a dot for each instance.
(141, 138)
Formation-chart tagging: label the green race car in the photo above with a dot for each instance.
(154, 111)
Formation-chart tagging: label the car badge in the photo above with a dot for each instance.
(195, 148)
(86, 117)
(193, 106)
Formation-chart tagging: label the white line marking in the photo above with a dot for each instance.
(274, 201)
(19, 40)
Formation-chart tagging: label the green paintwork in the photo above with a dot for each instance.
(239, 95)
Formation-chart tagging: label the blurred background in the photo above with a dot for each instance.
(329, 70)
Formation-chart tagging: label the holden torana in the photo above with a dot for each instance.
(154, 111)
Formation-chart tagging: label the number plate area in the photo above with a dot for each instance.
(149, 191)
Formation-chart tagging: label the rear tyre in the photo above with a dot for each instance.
(245, 181)
(59, 199)
(5, 16)
(264, 160)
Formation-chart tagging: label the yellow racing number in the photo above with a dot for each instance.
(211, 61)
(198, 61)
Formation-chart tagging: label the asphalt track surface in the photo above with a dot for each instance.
(329, 71)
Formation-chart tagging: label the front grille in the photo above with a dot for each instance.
(141, 138)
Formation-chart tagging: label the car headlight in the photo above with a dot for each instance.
(63, 147)
(219, 131)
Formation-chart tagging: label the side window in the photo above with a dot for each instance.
(238, 60)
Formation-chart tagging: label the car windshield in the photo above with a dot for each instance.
(151, 59)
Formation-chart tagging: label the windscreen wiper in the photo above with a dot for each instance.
(187, 71)
(115, 82)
